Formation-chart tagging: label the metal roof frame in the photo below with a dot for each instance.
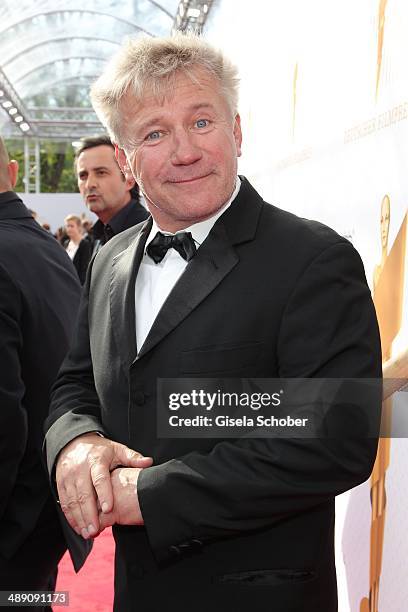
(39, 13)
(55, 39)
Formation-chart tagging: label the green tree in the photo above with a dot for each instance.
(57, 173)
(56, 166)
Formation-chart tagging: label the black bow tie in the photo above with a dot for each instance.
(161, 243)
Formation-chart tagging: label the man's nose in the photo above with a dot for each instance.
(185, 148)
(91, 181)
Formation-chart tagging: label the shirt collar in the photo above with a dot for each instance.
(199, 230)
(117, 220)
(115, 225)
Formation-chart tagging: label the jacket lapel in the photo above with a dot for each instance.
(122, 294)
(215, 258)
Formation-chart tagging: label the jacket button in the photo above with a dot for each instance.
(139, 398)
(196, 544)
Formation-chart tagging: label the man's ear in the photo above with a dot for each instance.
(238, 134)
(130, 181)
(121, 159)
(124, 166)
(12, 169)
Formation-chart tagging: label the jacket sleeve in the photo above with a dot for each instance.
(328, 330)
(75, 408)
(13, 416)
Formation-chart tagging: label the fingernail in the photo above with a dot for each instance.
(91, 529)
(105, 507)
(84, 533)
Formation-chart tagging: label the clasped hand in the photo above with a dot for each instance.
(97, 484)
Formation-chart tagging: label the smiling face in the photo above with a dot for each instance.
(186, 149)
(101, 182)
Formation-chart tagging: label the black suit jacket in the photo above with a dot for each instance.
(229, 524)
(82, 258)
(39, 298)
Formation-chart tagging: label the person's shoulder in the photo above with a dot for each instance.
(120, 242)
(286, 228)
(36, 261)
(136, 213)
(85, 246)
(21, 232)
(301, 244)
(297, 233)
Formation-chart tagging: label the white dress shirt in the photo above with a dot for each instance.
(72, 248)
(155, 281)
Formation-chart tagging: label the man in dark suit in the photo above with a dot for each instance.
(114, 198)
(217, 284)
(39, 298)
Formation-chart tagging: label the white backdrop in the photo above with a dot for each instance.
(52, 208)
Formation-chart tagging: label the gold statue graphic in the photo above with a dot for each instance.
(388, 298)
(380, 42)
(385, 228)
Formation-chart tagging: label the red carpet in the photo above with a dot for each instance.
(92, 589)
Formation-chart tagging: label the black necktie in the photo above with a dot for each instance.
(161, 243)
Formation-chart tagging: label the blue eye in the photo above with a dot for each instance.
(202, 123)
(153, 135)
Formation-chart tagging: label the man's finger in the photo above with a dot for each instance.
(101, 480)
(72, 500)
(125, 456)
(87, 505)
(66, 505)
(141, 462)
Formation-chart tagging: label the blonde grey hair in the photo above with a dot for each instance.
(75, 218)
(149, 66)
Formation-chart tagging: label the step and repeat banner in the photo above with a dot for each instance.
(324, 109)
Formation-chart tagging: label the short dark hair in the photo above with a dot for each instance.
(89, 142)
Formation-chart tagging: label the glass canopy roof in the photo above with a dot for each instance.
(50, 52)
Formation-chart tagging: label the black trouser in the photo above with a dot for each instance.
(34, 567)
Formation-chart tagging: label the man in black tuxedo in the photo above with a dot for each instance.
(114, 198)
(39, 298)
(217, 284)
